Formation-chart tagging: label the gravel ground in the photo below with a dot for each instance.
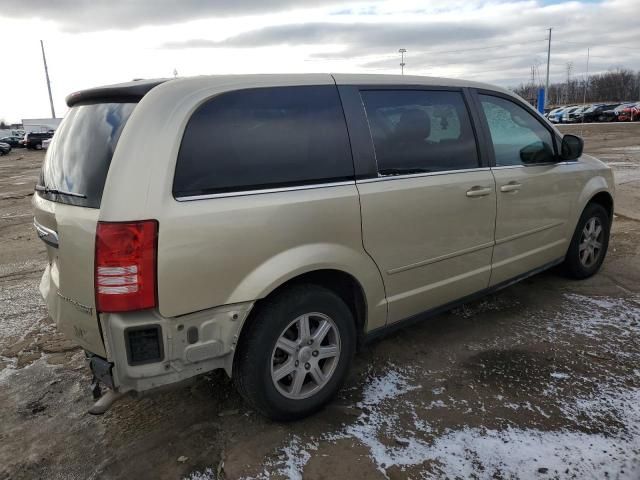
(541, 380)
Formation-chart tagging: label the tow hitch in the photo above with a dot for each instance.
(101, 370)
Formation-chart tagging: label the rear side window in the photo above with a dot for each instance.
(80, 153)
(264, 138)
(416, 131)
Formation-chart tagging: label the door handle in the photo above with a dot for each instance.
(510, 187)
(479, 191)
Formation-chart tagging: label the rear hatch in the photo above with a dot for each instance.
(67, 207)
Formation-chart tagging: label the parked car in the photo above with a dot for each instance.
(553, 111)
(4, 148)
(267, 225)
(594, 112)
(630, 113)
(14, 142)
(33, 140)
(612, 114)
(572, 115)
(557, 116)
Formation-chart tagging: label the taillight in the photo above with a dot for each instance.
(125, 265)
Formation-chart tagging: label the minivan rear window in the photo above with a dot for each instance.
(264, 138)
(77, 161)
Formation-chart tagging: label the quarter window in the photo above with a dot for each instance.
(264, 138)
(417, 131)
(518, 137)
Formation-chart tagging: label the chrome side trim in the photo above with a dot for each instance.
(263, 191)
(529, 232)
(440, 258)
(505, 167)
(380, 178)
(48, 236)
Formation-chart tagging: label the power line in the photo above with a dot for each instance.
(590, 45)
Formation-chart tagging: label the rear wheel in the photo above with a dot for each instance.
(589, 243)
(38, 146)
(295, 353)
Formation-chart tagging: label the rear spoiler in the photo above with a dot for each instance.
(121, 92)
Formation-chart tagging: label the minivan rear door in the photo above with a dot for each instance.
(67, 207)
(428, 203)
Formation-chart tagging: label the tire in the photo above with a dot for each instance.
(38, 146)
(593, 217)
(278, 320)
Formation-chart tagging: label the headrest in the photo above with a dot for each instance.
(414, 125)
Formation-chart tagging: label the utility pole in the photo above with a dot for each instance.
(46, 73)
(584, 95)
(546, 86)
(402, 52)
(569, 70)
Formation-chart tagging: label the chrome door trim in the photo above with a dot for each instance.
(242, 193)
(48, 236)
(381, 178)
(548, 164)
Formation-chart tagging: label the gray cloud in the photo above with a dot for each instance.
(359, 38)
(94, 15)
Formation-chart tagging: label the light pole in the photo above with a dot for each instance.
(46, 74)
(546, 84)
(402, 52)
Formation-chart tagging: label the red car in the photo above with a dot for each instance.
(630, 113)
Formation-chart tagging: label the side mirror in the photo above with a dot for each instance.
(571, 147)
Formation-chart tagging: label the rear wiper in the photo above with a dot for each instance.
(402, 171)
(42, 188)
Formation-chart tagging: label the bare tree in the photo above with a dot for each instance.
(616, 85)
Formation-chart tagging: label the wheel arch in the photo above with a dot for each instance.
(343, 284)
(605, 199)
(599, 190)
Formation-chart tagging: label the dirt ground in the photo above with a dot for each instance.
(541, 380)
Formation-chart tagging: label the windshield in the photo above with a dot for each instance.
(77, 161)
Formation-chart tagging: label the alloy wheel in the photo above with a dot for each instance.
(305, 356)
(590, 246)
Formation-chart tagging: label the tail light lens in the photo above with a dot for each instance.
(125, 265)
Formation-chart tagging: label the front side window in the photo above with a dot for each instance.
(264, 138)
(518, 137)
(417, 131)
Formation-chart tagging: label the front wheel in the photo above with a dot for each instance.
(295, 353)
(589, 243)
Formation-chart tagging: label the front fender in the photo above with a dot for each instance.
(594, 186)
(287, 265)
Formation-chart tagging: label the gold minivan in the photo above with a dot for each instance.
(269, 224)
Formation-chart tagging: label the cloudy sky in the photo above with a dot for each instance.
(96, 42)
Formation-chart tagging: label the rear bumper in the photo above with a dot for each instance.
(186, 346)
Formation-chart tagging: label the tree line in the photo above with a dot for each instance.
(613, 86)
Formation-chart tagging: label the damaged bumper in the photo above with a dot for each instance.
(146, 351)
(149, 351)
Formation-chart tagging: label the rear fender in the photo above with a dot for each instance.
(292, 263)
